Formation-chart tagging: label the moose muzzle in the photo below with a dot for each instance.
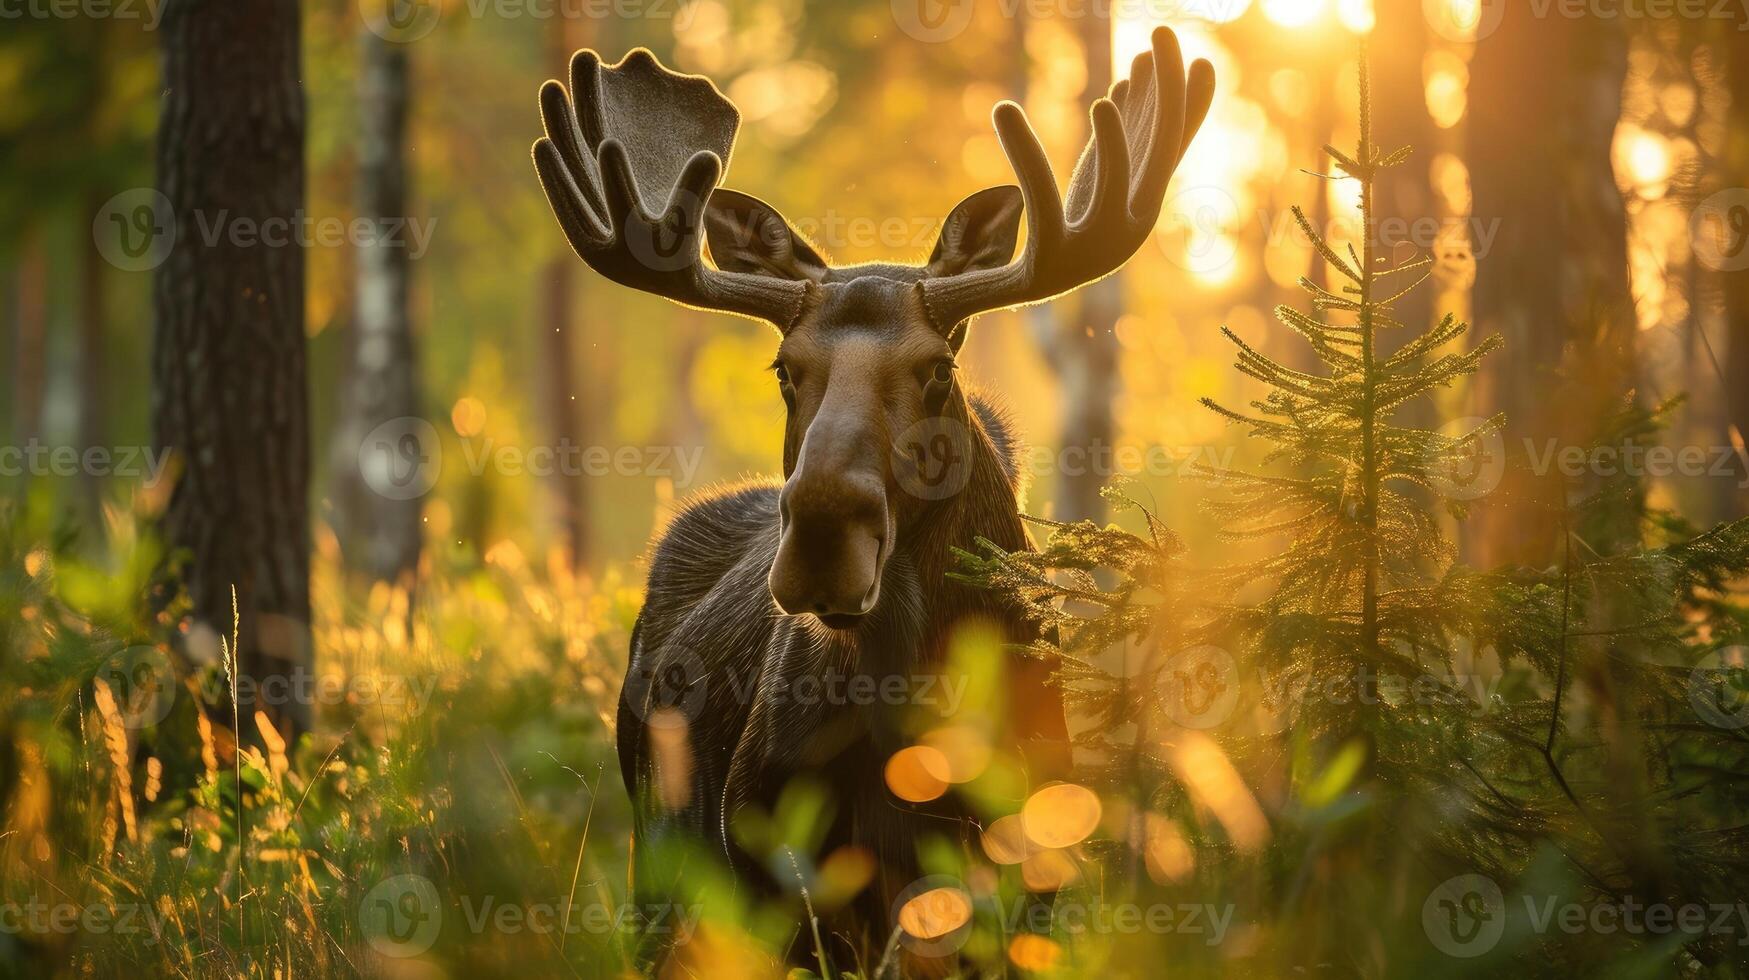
(836, 531)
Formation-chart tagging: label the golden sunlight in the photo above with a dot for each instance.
(1294, 13)
(1642, 158)
(964, 752)
(673, 751)
(915, 774)
(468, 416)
(1060, 815)
(1049, 871)
(1448, 87)
(1461, 17)
(1169, 856)
(1033, 952)
(1217, 787)
(1357, 15)
(935, 913)
(1005, 840)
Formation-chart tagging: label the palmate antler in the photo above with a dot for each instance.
(633, 153)
(1140, 133)
(629, 161)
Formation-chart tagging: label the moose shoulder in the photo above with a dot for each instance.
(790, 627)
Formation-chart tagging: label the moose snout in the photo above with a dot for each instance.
(834, 538)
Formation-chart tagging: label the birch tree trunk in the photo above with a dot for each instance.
(379, 534)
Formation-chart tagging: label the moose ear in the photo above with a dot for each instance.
(748, 235)
(979, 233)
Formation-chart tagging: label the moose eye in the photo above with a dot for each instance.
(943, 373)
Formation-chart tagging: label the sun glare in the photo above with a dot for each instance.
(1357, 15)
(1448, 88)
(1644, 155)
(1464, 15)
(1294, 13)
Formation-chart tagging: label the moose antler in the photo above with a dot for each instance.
(629, 161)
(1140, 132)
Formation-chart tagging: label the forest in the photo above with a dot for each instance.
(1236, 488)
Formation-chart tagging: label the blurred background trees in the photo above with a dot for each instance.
(1580, 183)
(381, 536)
(1546, 96)
(1562, 170)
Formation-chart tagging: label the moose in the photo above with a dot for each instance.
(842, 567)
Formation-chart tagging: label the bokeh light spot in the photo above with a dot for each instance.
(1061, 815)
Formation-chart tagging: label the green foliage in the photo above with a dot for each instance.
(1535, 726)
(472, 750)
(1063, 587)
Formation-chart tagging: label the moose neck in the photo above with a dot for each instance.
(988, 507)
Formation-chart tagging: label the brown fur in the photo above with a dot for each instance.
(710, 619)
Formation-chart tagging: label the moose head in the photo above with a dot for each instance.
(630, 163)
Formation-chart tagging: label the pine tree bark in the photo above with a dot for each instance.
(1545, 99)
(379, 534)
(228, 344)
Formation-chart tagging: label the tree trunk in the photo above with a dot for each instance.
(563, 412)
(1084, 348)
(560, 338)
(1735, 281)
(1545, 98)
(1400, 118)
(93, 373)
(379, 533)
(228, 344)
(29, 335)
